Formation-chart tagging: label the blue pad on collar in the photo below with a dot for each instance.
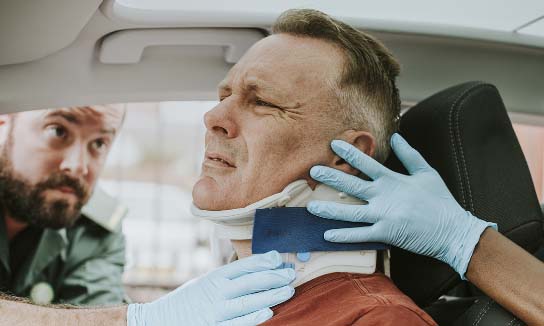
(294, 229)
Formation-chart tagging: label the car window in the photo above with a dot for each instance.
(531, 139)
(151, 168)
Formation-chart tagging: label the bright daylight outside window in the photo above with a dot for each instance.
(151, 169)
(531, 139)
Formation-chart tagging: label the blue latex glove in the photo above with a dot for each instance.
(415, 212)
(237, 294)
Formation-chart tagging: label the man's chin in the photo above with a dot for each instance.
(208, 195)
(204, 192)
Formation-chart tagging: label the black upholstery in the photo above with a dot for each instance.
(486, 312)
(465, 133)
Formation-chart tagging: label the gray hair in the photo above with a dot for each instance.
(367, 93)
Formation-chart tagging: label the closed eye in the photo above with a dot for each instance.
(259, 102)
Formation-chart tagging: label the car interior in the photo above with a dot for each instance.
(463, 132)
(469, 70)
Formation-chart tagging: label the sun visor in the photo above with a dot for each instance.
(30, 30)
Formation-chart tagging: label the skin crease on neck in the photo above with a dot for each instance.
(277, 115)
(74, 141)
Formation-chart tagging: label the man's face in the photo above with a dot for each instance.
(275, 121)
(51, 159)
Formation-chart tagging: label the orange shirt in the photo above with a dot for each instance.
(341, 299)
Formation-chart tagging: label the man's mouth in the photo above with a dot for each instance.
(66, 190)
(220, 160)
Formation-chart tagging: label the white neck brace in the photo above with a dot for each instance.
(237, 224)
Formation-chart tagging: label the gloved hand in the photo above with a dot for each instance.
(415, 212)
(237, 294)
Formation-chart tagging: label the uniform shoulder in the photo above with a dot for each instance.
(104, 211)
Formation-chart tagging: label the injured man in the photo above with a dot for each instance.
(315, 79)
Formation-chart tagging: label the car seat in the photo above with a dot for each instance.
(465, 133)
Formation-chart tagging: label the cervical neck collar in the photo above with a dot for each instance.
(237, 224)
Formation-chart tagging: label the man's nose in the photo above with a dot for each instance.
(221, 120)
(76, 161)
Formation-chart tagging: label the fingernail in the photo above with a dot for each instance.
(394, 139)
(275, 257)
(312, 207)
(315, 171)
(339, 144)
(397, 139)
(329, 235)
(288, 291)
(291, 273)
(264, 316)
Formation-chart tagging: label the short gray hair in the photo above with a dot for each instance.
(366, 91)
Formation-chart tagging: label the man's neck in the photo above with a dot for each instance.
(321, 262)
(13, 227)
(242, 248)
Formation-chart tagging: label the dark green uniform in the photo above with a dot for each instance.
(82, 265)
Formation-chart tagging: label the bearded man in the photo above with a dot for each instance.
(49, 164)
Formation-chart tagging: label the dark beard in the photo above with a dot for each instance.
(26, 203)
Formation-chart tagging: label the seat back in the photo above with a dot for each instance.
(465, 133)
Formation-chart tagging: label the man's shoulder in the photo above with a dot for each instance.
(342, 298)
(87, 240)
(105, 211)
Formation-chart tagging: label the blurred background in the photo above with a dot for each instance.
(152, 167)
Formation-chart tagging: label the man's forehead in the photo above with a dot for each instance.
(256, 80)
(280, 62)
(109, 116)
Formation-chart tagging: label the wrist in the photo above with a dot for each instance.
(110, 316)
(134, 314)
(462, 247)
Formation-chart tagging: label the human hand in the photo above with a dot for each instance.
(237, 294)
(415, 212)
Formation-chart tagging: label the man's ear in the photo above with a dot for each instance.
(363, 140)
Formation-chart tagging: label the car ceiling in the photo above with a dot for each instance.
(66, 52)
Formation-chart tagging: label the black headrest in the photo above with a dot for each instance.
(465, 133)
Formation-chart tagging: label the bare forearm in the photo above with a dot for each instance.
(20, 313)
(509, 275)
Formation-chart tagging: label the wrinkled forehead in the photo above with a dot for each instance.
(108, 117)
(287, 64)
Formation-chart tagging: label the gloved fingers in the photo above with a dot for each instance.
(339, 180)
(342, 212)
(353, 235)
(254, 263)
(410, 158)
(258, 281)
(253, 302)
(358, 159)
(252, 319)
